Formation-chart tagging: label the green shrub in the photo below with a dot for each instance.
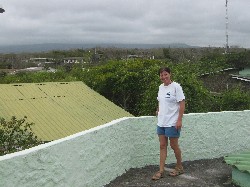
(16, 135)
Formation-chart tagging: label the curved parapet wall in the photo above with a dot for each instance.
(97, 156)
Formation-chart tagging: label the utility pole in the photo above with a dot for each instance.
(227, 47)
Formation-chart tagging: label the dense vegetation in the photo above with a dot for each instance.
(16, 135)
(131, 83)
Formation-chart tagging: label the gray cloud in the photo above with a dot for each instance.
(194, 22)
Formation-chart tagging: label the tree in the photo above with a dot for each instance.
(198, 99)
(166, 53)
(235, 99)
(16, 135)
(122, 82)
(239, 60)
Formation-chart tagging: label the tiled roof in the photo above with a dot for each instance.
(241, 161)
(58, 109)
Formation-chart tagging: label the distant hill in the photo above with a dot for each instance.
(61, 46)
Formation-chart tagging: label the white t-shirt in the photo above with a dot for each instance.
(169, 98)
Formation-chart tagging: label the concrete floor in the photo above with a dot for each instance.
(199, 173)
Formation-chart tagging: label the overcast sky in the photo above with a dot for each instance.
(194, 22)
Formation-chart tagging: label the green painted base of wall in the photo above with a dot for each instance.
(240, 178)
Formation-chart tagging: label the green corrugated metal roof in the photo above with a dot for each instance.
(241, 161)
(58, 109)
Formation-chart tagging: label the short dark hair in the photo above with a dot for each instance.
(167, 69)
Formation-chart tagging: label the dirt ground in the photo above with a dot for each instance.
(199, 173)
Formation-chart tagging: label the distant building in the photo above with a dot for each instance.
(30, 69)
(73, 60)
(226, 79)
(42, 61)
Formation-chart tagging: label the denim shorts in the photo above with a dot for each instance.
(170, 132)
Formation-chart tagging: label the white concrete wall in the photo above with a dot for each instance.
(97, 156)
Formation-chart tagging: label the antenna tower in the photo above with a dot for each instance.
(227, 47)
